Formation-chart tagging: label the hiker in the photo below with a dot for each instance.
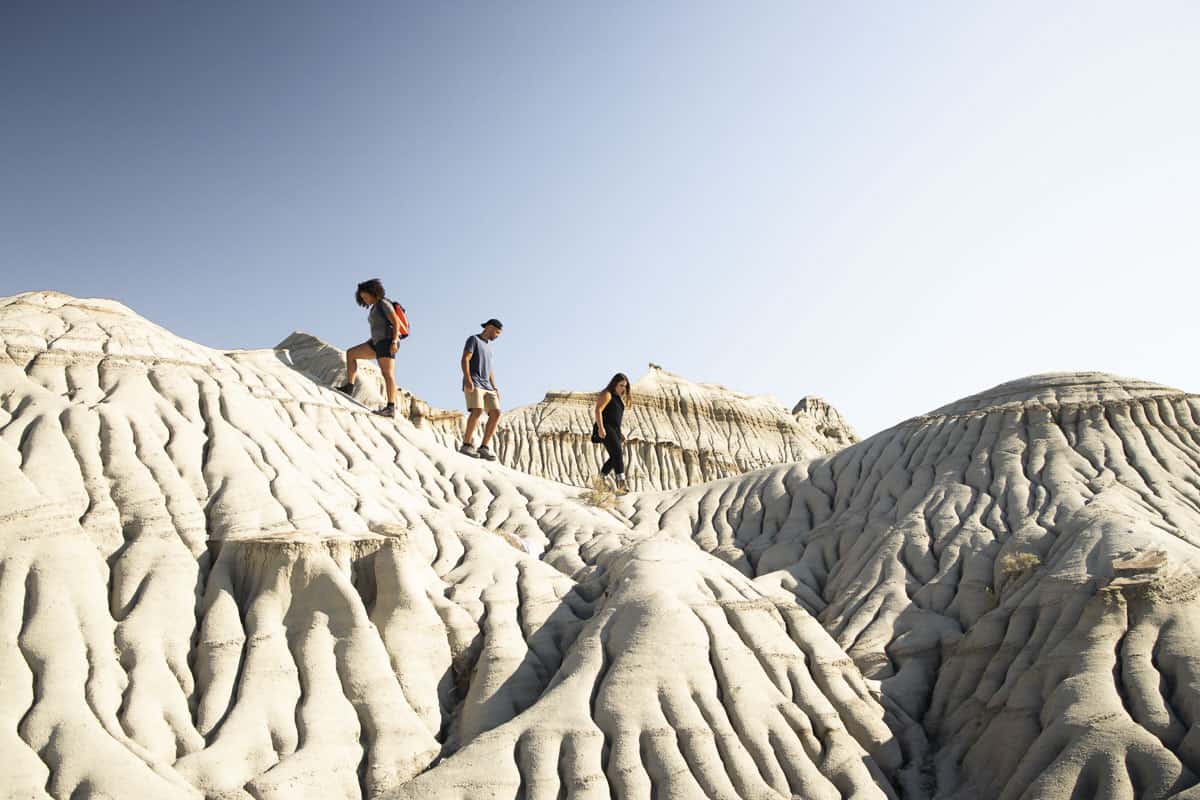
(610, 409)
(386, 329)
(479, 386)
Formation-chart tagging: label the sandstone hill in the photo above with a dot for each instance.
(220, 579)
(678, 433)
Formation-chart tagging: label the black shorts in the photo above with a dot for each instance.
(383, 348)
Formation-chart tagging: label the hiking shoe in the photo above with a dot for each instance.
(621, 490)
(486, 454)
(346, 388)
(468, 450)
(387, 411)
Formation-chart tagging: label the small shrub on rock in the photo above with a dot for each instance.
(1016, 564)
(599, 494)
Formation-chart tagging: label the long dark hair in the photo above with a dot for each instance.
(612, 387)
(372, 287)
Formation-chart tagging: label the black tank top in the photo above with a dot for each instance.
(613, 413)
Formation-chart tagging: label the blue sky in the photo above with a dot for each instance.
(889, 205)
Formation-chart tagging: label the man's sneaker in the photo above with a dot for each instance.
(468, 450)
(621, 489)
(387, 411)
(346, 388)
(486, 454)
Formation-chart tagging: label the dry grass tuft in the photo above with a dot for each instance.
(1015, 564)
(600, 494)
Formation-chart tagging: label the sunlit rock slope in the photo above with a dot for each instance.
(678, 433)
(220, 579)
(326, 365)
(1018, 569)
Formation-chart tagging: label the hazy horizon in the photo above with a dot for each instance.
(890, 208)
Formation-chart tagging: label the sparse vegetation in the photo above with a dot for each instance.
(1016, 564)
(599, 494)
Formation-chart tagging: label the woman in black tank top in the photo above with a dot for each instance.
(610, 410)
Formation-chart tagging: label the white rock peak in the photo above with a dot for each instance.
(220, 578)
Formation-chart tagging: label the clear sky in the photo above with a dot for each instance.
(891, 205)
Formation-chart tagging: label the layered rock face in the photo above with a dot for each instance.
(219, 578)
(678, 433)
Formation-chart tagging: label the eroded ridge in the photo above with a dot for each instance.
(221, 579)
(678, 433)
(971, 559)
(691, 681)
(218, 578)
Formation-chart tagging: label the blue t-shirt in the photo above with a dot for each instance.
(481, 361)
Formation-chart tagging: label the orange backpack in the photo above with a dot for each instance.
(401, 320)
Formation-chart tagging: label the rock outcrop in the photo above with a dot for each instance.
(326, 365)
(1018, 569)
(678, 433)
(219, 578)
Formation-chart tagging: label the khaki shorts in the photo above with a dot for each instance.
(482, 398)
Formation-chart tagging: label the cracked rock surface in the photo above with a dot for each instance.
(219, 578)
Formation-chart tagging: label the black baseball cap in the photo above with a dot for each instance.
(493, 321)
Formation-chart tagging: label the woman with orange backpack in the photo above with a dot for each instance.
(388, 326)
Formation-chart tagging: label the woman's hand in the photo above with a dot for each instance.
(601, 432)
(395, 345)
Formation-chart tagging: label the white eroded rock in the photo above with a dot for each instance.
(220, 578)
(1018, 569)
(678, 433)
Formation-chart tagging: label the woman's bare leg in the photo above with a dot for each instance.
(363, 350)
(387, 366)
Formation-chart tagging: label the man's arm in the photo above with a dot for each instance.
(492, 381)
(468, 350)
(467, 383)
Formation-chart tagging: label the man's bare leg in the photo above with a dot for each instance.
(490, 428)
(472, 419)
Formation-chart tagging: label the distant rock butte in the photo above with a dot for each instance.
(678, 433)
(221, 579)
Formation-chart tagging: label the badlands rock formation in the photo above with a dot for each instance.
(1018, 569)
(220, 579)
(326, 365)
(679, 433)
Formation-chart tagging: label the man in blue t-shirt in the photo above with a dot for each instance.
(479, 386)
